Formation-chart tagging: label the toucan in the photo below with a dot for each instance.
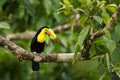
(38, 42)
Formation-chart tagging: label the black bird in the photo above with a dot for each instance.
(38, 42)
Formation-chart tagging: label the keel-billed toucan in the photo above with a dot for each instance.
(38, 42)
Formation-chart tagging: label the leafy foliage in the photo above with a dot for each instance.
(21, 15)
(67, 8)
(4, 25)
(82, 36)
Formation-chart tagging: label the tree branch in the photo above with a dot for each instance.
(97, 34)
(111, 21)
(22, 54)
(30, 34)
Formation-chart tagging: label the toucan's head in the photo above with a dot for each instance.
(44, 33)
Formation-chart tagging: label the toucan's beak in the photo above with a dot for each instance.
(52, 35)
(49, 33)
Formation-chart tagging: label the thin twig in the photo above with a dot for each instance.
(111, 21)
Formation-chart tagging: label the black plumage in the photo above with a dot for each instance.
(37, 47)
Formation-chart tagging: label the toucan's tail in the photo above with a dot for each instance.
(35, 66)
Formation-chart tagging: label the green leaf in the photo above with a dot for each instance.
(89, 3)
(101, 6)
(103, 76)
(107, 34)
(118, 73)
(21, 12)
(103, 12)
(116, 68)
(104, 43)
(66, 12)
(101, 44)
(67, 2)
(81, 38)
(101, 3)
(117, 32)
(30, 9)
(92, 50)
(80, 10)
(66, 8)
(47, 5)
(83, 35)
(106, 18)
(77, 48)
(72, 22)
(107, 61)
(83, 20)
(101, 40)
(4, 25)
(111, 45)
(61, 3)
(98, 19)
(111, 7)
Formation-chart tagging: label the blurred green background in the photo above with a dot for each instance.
(22, 15)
